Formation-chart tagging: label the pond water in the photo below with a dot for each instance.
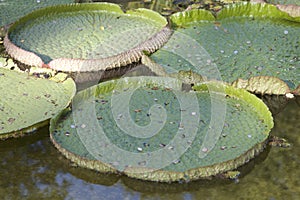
(31, 168)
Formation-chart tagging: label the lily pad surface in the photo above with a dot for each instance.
(149, 128)
(27, 102)
(11, 10)
(244, 41)
(284, 2)
(85, 37)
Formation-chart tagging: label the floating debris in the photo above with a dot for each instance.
(11, 120)
(142, 163)
(170, 147)
(176, 162)
(162, 145)
(180, 127)
(116, 163)
(289, 95)
(99, 118)
(204, 149)
(139, 149)
(279, 142)
(119, 116)
(146, 144)
(223, 147)
(47, 95)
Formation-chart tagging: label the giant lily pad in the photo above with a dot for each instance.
(85, 37)
(28, 102)
(149, 128)
(11, 10)
(244, 41)
(284, 2)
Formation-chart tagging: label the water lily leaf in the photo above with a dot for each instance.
(284, 2)
(292, 10)
(11, 10)
(149, 128)
(244, 41)
(28, 102)
(256, 10)
(85, 37)
(266, 85)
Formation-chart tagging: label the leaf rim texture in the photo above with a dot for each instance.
(78, 64)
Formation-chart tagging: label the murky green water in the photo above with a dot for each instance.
(31, 168)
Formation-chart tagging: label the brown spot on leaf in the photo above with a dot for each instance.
(11, 120)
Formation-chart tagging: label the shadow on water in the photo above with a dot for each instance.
(276, 103)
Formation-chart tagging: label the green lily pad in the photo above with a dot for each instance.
(149, 128)
(11, 10)
(85, 37)
(244, 41)
(28, 102)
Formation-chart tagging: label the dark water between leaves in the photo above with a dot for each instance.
(32, 168)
